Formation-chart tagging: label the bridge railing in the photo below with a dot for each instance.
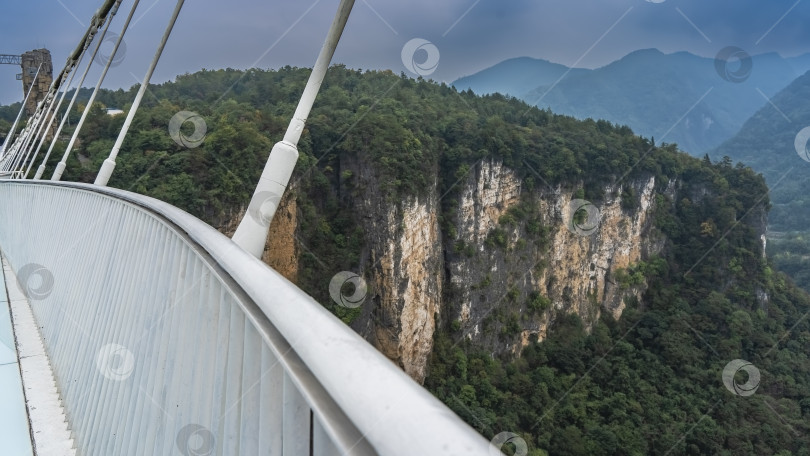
(165, 337)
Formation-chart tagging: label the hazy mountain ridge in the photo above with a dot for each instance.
(516, 77)
(766, 142)
(676, 98)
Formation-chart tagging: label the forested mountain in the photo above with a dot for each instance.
(649, 91)
(767, 143)
(456, 210)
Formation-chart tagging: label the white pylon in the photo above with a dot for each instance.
(251, 234)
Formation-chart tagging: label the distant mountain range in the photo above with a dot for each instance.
(675, 98)
(766, 142)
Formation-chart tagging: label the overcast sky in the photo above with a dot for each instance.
(470, 34)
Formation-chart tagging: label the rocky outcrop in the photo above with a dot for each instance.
(507, 269)
(506, 290)
(404, 267)
(281, 251)
(407, 286)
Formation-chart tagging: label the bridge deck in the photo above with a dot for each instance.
(24, 366)
(164, 334)
(14, 430)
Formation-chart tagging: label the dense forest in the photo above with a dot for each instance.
(648, 383)
(767, 143)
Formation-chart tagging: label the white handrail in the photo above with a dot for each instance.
(113, 256)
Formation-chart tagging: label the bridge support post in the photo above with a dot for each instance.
(60, 167)
(254, 226)
(104, 173)
(251, 234)
(108, 167)
(57, 173)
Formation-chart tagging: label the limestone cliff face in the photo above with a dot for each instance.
(281, 251)
(406, 285)
(507, 290)
(496, 278)
(403, 267)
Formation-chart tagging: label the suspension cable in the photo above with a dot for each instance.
(251, 234)
(25, 136)
(60, 167)
(45, 126)
(107, 168)
(55, 139)
(31, 125)
(40, 130)
(19, 114)
(73, 60)
(11, 152)
(28, 135)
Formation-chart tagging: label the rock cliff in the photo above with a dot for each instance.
(499, 260)
(511, 278)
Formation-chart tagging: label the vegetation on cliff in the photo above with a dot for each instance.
(767, 143)
(649, 383)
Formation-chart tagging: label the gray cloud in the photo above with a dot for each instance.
(216, 34)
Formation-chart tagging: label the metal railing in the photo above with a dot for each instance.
(165, 337)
